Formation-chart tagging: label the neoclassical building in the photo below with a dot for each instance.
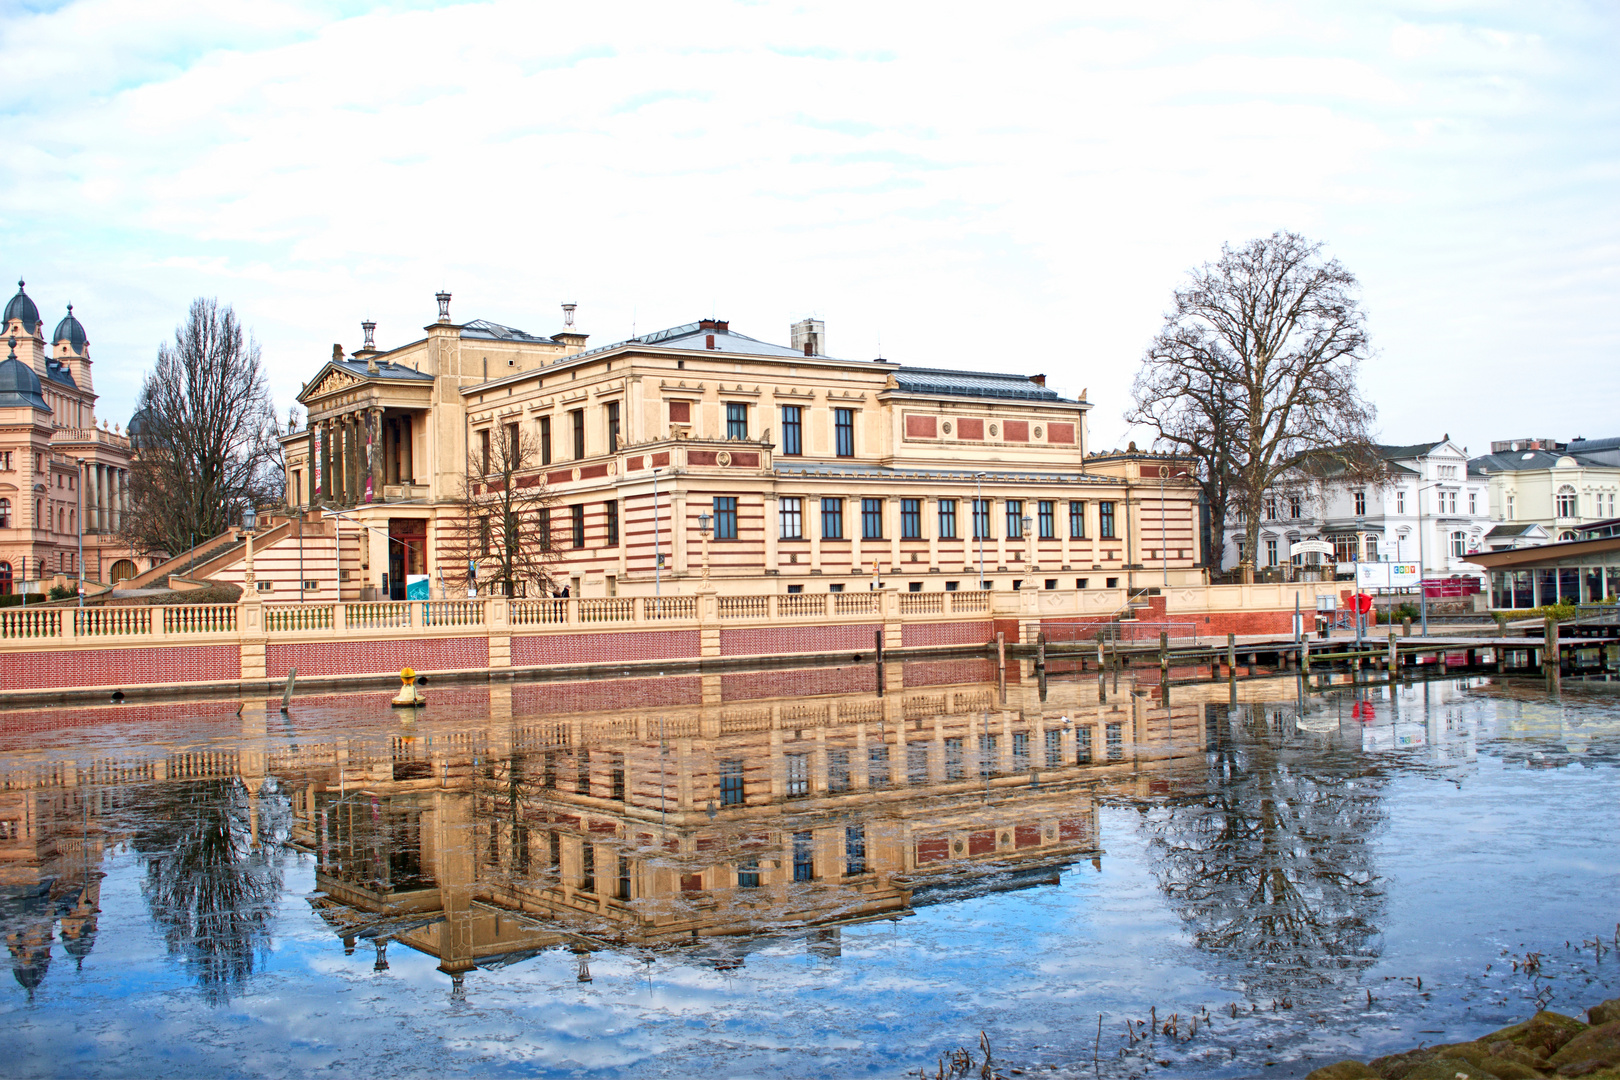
(51, 446)
(699, 453)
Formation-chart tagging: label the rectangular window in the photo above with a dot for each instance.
(725, 517)
(483, 452)
(613, 427)
(844, 431)
(578, 416)
(587, 867)
(1077, 520)
(798, 775)
(731, 782)
(543, 526)
(1054, 748)
(483, 535)
(577, 523)
(1361, 503)
(917, 764)
(1294, 507)
(804, 856)
(1400, 502)
(1271, 552)
(610, 510)
(1048, 519)
(736, 420)
(989, 763)
(748, 874)
(1015, 519)
(624, 878)
(1020, 751)
(1344, 547)
(911, 519)
(1271, 507)
(1105, 520)
(838, 770)
(871, 519)
(616, 773)
(793, 430)
(545, 440)
(854, 849)
(1473, 503)
(1452, 499)
(1082, 746)
(877, 766)
(832, 519)
(791, 513)
(953, 758)
(947, 519)
(981, 519)
(1459, 545)
(1116, 742)
(511, 448)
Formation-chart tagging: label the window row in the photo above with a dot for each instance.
(873, 524)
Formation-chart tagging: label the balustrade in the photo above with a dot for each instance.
(855, 603)
(107, 621)
(282, 618)
(922, 603)
(36, 623)
(551, 612)
(199, 619)
(969, 603)
(377, 615)
(607, 609)
(744, 607)
(661, 608)
(452, 612)
(802, 605)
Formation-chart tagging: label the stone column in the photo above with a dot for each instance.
(407, 427)
(326, 460)
(930, 525)
(312, 492)
(678, 530)
(773, 532)
(374, 430)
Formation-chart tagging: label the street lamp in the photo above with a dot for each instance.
(1029, 542)
(250, 522)
(978, 491)
(703, 531)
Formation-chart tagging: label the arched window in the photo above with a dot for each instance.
(5, 579)
(61, 520)
(1566, 502)
(5, 514)
(122, 570)
(1568, 534)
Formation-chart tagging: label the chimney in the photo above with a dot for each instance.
(809, 336)
(708, 341)
(1038, 380)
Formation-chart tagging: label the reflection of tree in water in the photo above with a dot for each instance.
(211, 884)
(1271, 868)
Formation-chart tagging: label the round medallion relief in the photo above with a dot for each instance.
(994, 430)
(723, 457)
(946, 427)
(1037, 431)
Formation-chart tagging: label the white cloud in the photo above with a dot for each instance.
(1018, 189)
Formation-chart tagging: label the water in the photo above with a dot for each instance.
(189, 889)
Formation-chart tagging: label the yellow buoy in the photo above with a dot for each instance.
(408, 697)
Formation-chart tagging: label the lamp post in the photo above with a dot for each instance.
(703, 531)
(1029, 542)
(978, 492)
(1423, 589)
(250, 522)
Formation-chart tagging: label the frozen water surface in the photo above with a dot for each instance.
(689, 876)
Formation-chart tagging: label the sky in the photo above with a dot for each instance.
(1012, 187)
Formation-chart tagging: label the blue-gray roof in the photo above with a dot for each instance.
(71, 330)
(695, 335)
(385, 370)
(22, 307)
(19, 385)
(485, 330)
(56, 371)
(979, 384)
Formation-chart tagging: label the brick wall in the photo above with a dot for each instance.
(603, 648)
(20, 728)
(598, 694)
(776, 640)
(368, 657)
(919, 635)
(119, 667)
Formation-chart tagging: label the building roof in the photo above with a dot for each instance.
(695, 336)
(980, 384)
(386, 369)
(1506, 531)
(483, 329)
(71, 330)
(22, 307)
(58, 372)
(1410, 450)
(1545, 553)
(885, 472)
(1526, 461)
(19, 385)
(1588, 445)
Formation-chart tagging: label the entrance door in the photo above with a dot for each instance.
(407, 554)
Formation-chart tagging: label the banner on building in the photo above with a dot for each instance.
(317, 471)
(416, 587)
(1387, 575)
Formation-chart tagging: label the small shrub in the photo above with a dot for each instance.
(61, 592)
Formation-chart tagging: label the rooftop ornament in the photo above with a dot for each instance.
(444, 306)
(371, 328)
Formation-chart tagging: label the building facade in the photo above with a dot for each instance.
(699, 453)
(1429, 508)
(61, 472)
(1560, 487)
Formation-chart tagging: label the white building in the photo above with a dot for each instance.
(1557, 486)
(1429, 508)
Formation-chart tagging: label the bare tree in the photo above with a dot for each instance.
(206, 442)
(1254, 374)
(502, 521)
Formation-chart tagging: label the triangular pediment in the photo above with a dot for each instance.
(331, 380)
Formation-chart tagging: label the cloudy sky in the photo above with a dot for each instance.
(1004, 186)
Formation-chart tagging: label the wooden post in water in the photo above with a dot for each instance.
(1550, 660)
(1394, 660)
(1040, 651)
(1164, 667)
(1305, 656)
(878, 645)
(1001, 666)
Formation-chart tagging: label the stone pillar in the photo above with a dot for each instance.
(121, 498)
(930, 524)
(773, 532)
(678, 530)
(312, 493)
(374, 433)
(326, 461)
(407, 428)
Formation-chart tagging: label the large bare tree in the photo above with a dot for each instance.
(1253, 375)
(502, 520)
(206, 441)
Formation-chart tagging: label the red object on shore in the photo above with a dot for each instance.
(1362, 602)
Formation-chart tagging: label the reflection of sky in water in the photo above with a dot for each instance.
(1482, 846)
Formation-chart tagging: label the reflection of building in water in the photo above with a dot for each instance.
(50, 877)
(646, 812)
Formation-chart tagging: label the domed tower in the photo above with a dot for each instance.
(72, 349)
(23, 323)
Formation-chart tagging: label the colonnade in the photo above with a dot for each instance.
(356, 447)
(106, 497)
